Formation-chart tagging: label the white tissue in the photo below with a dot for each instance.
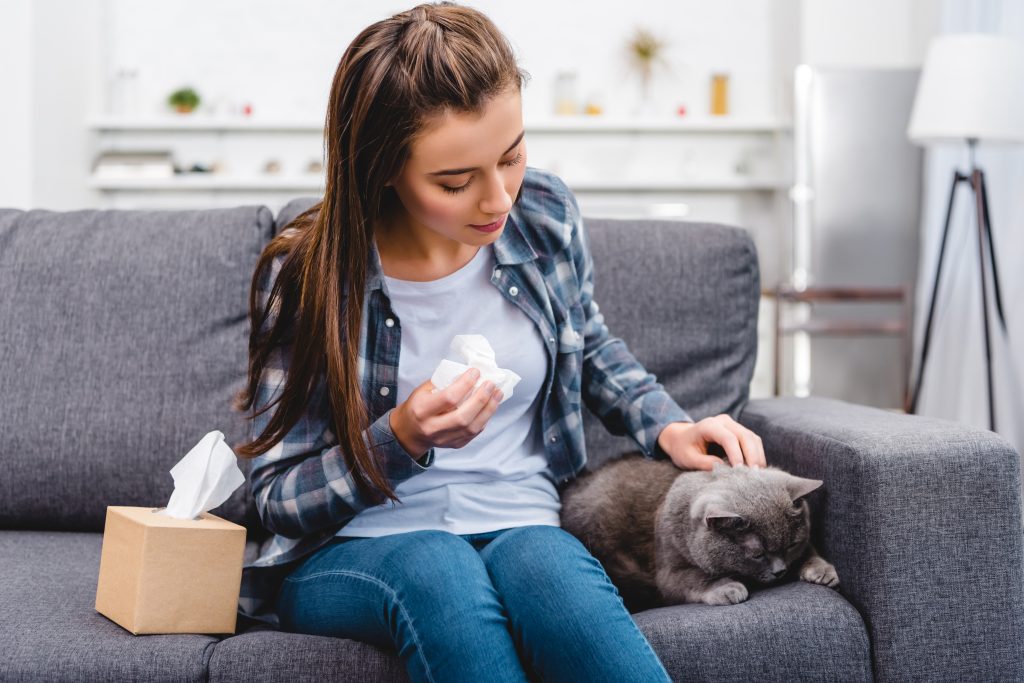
(204, 478)
(475, 352)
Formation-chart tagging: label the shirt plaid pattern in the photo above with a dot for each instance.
(302, 489)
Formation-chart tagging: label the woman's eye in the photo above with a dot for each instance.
(462, 188)
(519, 157)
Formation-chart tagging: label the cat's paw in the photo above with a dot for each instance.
(817, 570)
(725, 592)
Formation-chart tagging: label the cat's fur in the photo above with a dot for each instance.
(667, 536)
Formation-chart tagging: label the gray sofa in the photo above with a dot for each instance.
(123, 335)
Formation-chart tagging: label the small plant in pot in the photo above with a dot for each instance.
(646, 51)
(184, 100)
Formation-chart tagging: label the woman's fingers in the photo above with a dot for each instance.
(741, 445)
(449, 398)
(490, 401)
(716, 431)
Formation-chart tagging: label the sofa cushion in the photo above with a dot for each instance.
(683, 296)
(266, 654)
(793, 632)
(796, 631)
(51, 630)
(124, 337)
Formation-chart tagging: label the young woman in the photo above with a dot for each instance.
(425, 519)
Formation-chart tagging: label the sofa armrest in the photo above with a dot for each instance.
(922, 519)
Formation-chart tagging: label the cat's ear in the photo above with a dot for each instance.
(720, 519)
(799, 487)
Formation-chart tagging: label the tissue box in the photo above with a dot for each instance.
(159, 574)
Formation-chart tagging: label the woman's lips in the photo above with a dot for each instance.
(490, 227)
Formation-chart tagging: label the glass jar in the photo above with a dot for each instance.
(719, 94)
(565, 93)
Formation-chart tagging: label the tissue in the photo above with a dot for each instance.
(204, 478)
(475, 352)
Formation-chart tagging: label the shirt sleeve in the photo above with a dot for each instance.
(627, 398)
(302, 484)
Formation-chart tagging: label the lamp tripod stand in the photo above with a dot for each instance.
(976, 181)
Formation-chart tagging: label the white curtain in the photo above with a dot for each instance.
(955, 383)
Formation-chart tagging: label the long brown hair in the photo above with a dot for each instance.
(392, 79)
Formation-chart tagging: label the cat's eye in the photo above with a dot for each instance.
(759, 556)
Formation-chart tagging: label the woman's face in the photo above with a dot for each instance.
(463, 171)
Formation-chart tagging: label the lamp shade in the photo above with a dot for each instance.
(971, 86)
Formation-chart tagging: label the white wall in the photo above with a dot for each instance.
(867, 33)
(282, 56)
(66, 54)
(16, 83)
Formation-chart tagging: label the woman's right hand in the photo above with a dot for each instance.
(450, 418)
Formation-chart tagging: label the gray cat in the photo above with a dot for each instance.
(667, 536)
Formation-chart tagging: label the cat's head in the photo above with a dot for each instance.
(751, 522)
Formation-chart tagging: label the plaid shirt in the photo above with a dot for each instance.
(303, 491)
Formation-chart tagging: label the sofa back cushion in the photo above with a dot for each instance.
(683, 296)
(124, 337)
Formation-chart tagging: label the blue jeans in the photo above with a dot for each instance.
(526, 603)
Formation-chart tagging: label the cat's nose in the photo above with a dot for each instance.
(778, 572)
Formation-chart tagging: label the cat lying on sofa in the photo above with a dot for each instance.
(667, 536)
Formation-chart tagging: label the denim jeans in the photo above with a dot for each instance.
(526, 603)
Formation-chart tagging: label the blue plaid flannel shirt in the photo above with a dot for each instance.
(302, 489)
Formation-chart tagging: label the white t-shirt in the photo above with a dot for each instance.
(501, 478)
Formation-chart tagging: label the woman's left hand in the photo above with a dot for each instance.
(686, 443)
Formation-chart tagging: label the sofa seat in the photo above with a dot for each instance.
(48, 588)
(53, 632)
(795, 631)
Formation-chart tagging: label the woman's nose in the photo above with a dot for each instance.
(496, 200)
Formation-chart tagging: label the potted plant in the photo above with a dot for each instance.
(184, 100)
(645, 50)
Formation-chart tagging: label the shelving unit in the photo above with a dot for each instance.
(560, 124)
(203, 181)
(547, 135)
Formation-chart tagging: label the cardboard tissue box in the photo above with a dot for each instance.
(177, 569)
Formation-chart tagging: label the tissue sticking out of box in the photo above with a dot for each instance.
(204, 478)
(475, 352)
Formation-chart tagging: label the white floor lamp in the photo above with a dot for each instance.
(971, 89)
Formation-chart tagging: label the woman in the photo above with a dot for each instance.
(425, 519)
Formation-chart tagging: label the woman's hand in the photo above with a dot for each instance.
(686, 443)
(450, 418)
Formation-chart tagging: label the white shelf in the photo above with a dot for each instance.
(200, 181)
(557, 124)
(678, 185)
(688, 124)
(203, 123)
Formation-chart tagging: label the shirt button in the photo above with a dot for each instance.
(554, 439)
(389, 322)
(497, 272)
(513, 290)
(384, 391)
(551, 339)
